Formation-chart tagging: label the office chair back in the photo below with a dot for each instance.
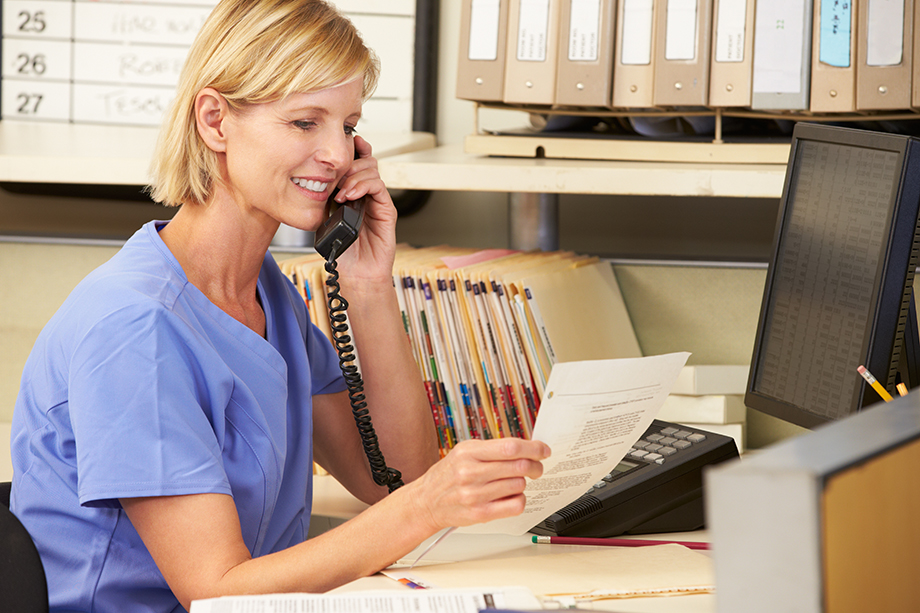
(25, 589)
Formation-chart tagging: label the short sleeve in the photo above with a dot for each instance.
(324, 363)
(144, 398)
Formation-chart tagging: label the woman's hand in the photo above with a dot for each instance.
(479, 481)
(371, 256)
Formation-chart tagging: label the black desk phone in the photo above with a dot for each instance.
(657, 487)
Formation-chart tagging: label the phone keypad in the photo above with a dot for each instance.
(654, 448)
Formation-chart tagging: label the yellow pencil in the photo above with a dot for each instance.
(874, 383)
(902, 389)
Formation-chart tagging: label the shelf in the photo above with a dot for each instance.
(632, 149)
(115, 155)
(450, 168)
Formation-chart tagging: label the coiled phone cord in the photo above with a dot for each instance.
(382, 474)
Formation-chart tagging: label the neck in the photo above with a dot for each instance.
(221, 254)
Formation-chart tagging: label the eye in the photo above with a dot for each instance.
(303, 124)
(351, 130)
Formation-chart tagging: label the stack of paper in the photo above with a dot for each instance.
(486, 328)
(577, 575)
(710, 397)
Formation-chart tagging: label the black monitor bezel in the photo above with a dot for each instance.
(893, 286)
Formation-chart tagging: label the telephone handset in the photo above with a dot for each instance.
(342, 225)
(332, 238)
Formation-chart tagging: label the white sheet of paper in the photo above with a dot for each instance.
(388, 601)
(592, 412)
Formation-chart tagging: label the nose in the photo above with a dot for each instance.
(337, 150)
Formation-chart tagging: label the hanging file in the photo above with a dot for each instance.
(782, 55)
(833, 57)
(634, 45)
(682, 32)
(885, 54)
(483, 41)
(731, 65)
(486, 328)
(585, 67)
(531, 52)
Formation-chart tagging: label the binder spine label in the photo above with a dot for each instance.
(778, 47)
(885, 32)
(484, 35)
(637, 32)
(834, 44)
(533, 28)
(681, 31)
(730, 30)
(584, 21)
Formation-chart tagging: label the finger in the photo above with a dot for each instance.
(362, 147)
(494, 509)
(505, 449)
(361, 189)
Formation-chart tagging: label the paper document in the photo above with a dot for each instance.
(382, 601)
(592, 412)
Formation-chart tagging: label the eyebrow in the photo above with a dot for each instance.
(320, 110)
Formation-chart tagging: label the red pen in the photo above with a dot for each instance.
(611, 542)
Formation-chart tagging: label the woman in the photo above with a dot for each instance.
(170, 411)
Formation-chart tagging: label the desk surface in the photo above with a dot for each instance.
(331, 500)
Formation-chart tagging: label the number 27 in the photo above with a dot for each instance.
(28, 103)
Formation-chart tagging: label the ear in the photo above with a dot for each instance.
(211, 110)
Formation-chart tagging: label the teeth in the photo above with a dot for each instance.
(313, 186)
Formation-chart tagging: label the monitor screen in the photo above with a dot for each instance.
(838, 286)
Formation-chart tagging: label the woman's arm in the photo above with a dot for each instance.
(197, 544)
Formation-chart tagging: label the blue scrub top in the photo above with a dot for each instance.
(140, 386)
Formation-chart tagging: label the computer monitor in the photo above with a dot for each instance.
(838, 291)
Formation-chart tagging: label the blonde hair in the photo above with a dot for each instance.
(252, 51)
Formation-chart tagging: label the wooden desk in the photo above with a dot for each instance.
(331, 501)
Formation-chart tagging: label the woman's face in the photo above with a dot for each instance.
(284, 158)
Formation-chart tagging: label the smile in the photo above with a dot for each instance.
(313, 186)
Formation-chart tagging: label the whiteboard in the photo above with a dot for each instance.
(116, 62)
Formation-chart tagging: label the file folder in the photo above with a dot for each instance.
(483, 42)
(634, 47)
(884, 55)
(782, 55)
(486, 327)
(585, 67)
(732, 65)
(833, 57)
(682, 31)
(531, 53)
